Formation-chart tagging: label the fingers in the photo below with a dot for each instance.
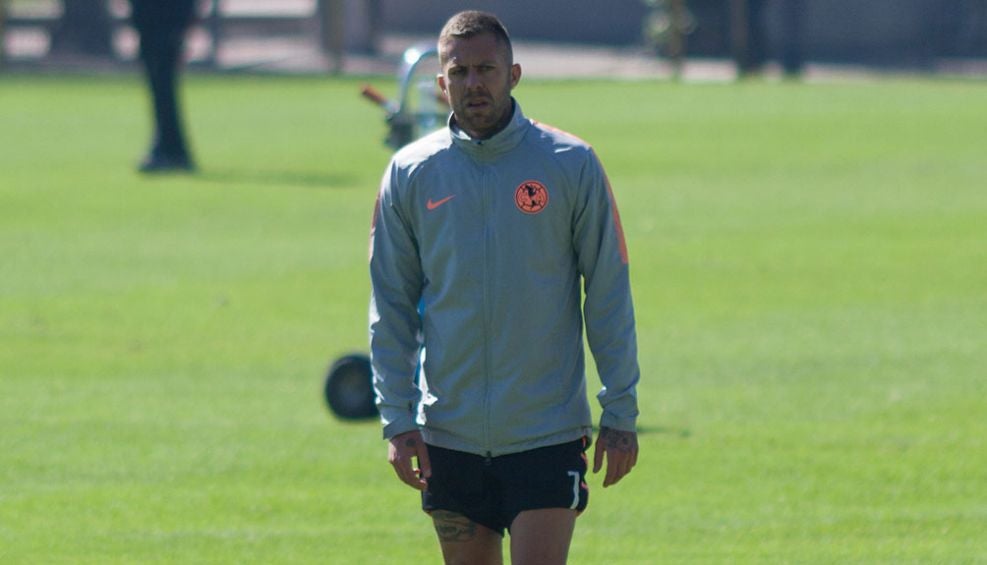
(402, 468)
(614, 466)
(619, 464)
(407, 475)
(425, 466)
(402, 449)
(598, 456)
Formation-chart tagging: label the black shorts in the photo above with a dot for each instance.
(493, 491)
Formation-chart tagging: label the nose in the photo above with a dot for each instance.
(472, 79)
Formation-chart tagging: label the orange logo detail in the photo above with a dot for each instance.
(433, 205)
(531, 197)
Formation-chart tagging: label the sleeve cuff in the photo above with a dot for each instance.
(396, 428)
(610, 420)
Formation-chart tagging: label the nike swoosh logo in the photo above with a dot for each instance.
(433, 205)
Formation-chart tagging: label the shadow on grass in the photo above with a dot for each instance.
(660, 430)
(299, 179)
(682, 433)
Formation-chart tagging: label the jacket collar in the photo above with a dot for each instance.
(500, 143)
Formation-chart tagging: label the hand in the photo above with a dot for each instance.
(621, 451)
(400, 451)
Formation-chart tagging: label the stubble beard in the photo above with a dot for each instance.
(486, 122)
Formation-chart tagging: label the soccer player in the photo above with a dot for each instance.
(495, 241)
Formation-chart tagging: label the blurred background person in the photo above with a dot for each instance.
(162, 26)
(750, 36)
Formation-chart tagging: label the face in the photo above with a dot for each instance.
(477, 78)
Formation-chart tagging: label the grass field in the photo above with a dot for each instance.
(810, 273)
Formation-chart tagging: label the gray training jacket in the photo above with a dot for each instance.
(492, 239)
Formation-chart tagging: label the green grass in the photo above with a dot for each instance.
(810, 273)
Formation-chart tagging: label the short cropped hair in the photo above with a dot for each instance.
(471, 23)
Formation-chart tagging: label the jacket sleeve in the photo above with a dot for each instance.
(395, 325)
(608, 309)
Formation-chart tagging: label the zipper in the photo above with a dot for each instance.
(485, 200)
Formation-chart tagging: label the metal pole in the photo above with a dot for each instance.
(215, 24)
(333, 32)
(739, 36)
(676, 42)
(3, 18)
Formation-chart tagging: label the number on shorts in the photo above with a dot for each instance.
(575, 489)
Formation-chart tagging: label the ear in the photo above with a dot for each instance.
(515, 74)
(441, 80)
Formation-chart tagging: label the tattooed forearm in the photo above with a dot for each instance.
(453, 527)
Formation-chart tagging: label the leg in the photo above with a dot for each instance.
(465, 542)
(542, 537)
(161, 51)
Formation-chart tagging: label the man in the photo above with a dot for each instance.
(161, 27)
(481, 235)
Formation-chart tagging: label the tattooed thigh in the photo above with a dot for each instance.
(453, 527)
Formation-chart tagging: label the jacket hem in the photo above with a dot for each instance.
(448, 440)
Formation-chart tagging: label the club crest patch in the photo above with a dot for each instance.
(531, 197)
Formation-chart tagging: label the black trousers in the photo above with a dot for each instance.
(162, 27)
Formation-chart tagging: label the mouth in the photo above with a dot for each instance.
(477, 103)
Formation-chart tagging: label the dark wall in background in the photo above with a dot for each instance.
(873, 31)
(579, 21)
